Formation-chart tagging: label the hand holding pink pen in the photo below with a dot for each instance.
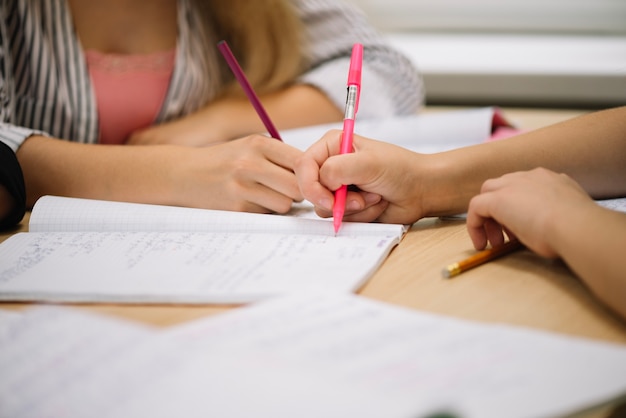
(352, 106)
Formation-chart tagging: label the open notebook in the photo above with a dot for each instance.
(80, 250)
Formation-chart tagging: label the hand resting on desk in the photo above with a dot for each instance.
(553, 216)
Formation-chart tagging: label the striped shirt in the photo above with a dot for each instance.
(45, 86)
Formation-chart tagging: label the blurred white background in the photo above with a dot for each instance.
(566, 53)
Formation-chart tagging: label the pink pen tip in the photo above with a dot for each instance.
(339, 209)
(337, 224)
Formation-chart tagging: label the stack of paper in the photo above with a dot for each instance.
(320, 355)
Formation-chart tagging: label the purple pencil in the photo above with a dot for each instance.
(247, 88)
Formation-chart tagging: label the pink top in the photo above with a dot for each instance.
(129, 90)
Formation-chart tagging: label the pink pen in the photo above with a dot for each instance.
(352, 106)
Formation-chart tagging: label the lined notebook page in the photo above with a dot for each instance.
(183, 267)
(53, 213)
(83, 250)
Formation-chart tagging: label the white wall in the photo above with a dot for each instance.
(569, 53)
(546, 16)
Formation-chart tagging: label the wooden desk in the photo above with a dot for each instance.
(519, 289)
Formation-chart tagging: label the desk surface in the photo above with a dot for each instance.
(520, 289)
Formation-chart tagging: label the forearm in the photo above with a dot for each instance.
(592, 241)
(301, 105)
(124, 173)
(293, 107)
(235, 117)
(590, 149)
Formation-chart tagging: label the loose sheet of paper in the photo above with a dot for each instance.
(57, 362)
(311, 355)
(618, 204)
(403, 363)
(425, 132)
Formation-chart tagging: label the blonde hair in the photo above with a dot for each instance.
(266, 37)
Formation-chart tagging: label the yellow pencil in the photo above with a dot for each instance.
(480, 258)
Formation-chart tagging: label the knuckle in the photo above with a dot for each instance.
(243, 168)
(283, 206)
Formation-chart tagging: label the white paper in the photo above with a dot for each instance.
(6, 316)
(401, 362)
(618, 204)
(425, 132)
(183, 267)
(65, 214)
(51, 360)
(160, 254)
(313, 355)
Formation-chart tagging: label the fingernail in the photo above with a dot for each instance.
(372, 198)
(324, 204)
(353, 205)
